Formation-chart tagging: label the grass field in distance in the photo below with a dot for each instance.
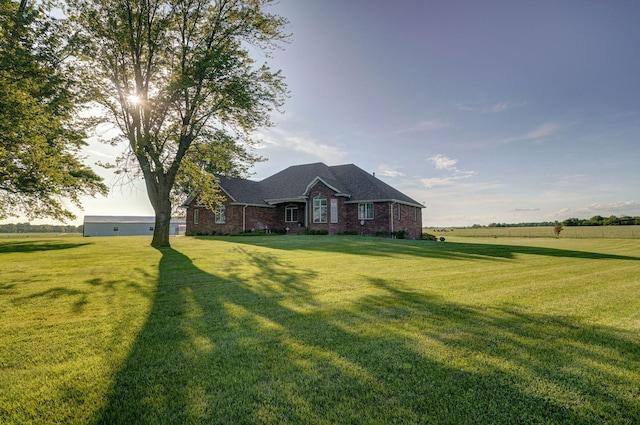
(319, 330)
(568, 232)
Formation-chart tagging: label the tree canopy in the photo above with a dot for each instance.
(40, 135)
(177, 79)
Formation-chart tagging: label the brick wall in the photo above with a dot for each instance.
(410, 220)
(255, 218)
(260, 218)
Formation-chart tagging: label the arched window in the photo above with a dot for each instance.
(320, 209)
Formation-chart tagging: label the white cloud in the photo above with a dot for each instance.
(436, 181)
(502, 106)
(388, 170)
(442, 162)
(280, 139)
(543, 130)
(499, 107)
(598, 208)
(487, 107)
(426, 125)
(466, 106)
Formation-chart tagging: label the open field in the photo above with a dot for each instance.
(570, 232)
(319, 330)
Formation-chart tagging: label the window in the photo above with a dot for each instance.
(398, 211)
(221, 214)
(334, 210)
(151, 229)
(196, 216)
(115, 229)
(320, 209)
(365, 211)
(291, 213)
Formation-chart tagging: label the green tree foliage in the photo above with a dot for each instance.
(40, 138)
(177, 79)
(601, 221)
(611, 221)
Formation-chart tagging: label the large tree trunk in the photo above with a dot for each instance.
(159, 191)
(162, 227)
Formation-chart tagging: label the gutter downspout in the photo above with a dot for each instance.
(391, 217)
(244, 218)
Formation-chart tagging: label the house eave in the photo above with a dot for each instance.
(249, 204)
(285, 200)
(392, 201)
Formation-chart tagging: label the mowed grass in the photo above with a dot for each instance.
(319, 330)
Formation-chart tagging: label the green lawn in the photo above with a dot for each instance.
(319, 329)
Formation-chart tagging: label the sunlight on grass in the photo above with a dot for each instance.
(70, 324)
(319, 330)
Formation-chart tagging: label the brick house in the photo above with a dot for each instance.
(337, 199)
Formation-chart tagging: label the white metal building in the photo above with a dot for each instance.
(102, 225)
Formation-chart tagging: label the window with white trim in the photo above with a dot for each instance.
(196, 216)
(334, 210)
(291, 214)
(365, 211)
(320, 209)
(221, 214)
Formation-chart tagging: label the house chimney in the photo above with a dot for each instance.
(374, 174)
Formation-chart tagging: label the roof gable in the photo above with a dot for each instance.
(329, 185)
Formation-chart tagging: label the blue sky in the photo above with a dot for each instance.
(486, 111)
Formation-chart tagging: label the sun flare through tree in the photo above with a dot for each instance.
(179, 81)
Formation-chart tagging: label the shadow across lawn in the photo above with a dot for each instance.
(263, 350)
(370, 246)
(38, 245)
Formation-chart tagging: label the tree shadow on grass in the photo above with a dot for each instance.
(370, 246)
(51, 293)
(38, 245)
(263, 350)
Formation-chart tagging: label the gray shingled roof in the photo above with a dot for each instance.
(292, 183)
(242, 191)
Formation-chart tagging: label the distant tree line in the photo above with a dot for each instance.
(38, 228)
(596, 220)
(540, 224)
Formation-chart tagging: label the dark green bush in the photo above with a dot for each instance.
(400, 234)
